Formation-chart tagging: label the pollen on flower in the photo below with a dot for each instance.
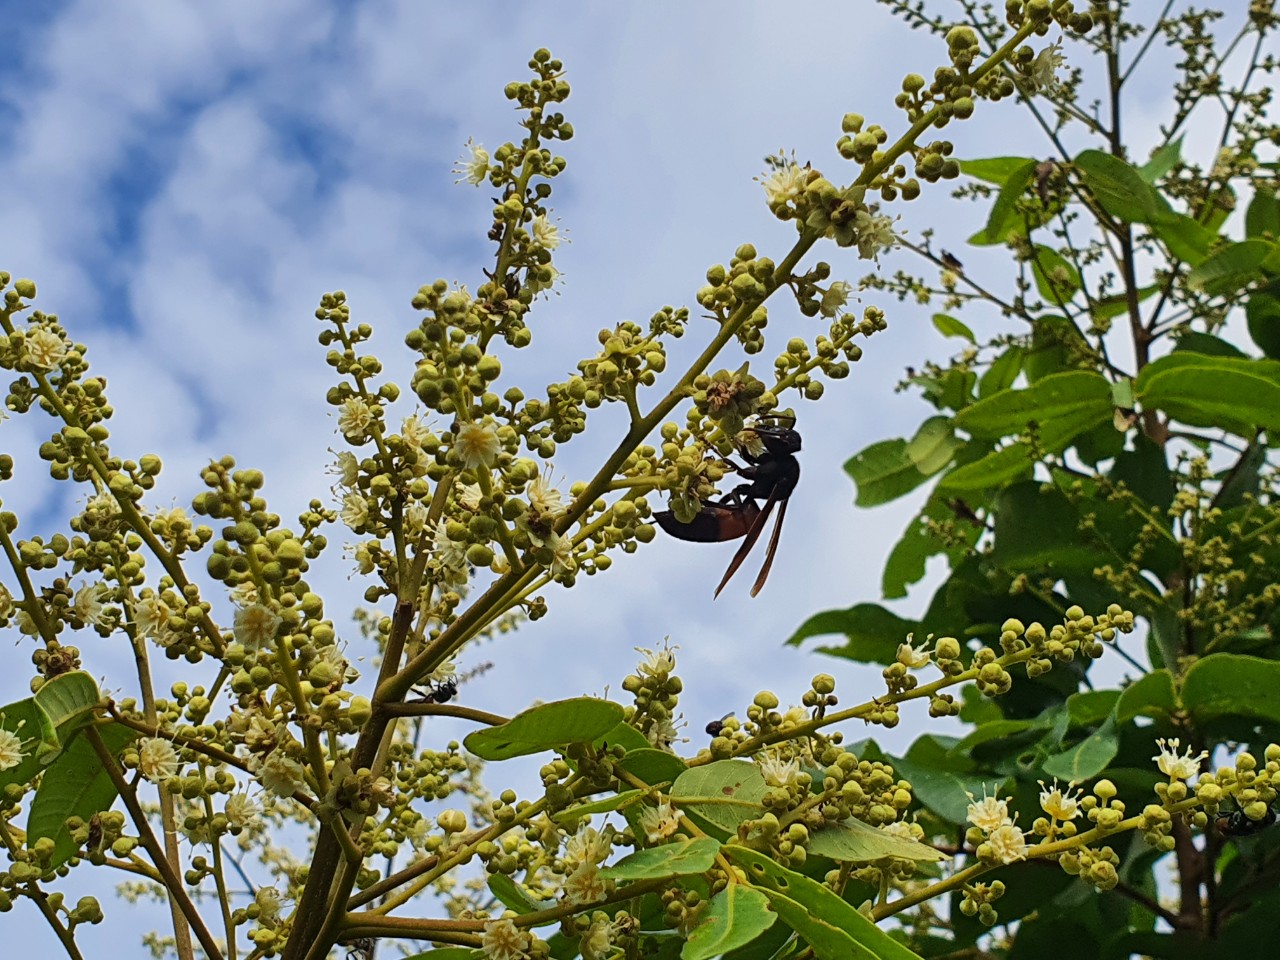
(588, 845)
(469, 495)
(242, 811)
(503, 940)
(835, 297)
(657, 663)
(157, 760)
(11, 752)
(90, 603)
(562, 558)
(785, 185)
(1174, 764)
(659, 822)
(474, 166)
(44, 348)
(875, 233)
(1008, 843)
(989, 814)
(1044, 69)
(598, 942)
(545, 233)
(911, 657)
(355, 418)
(255, 626)
(477, 445)
(778, 772)
(544, 498)
(585, 884)
(1059, 804)
(280, 774)
(346, 468)
(355, 510)
(151, 614)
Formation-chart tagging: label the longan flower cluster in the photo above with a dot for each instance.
(746, 283)
(656, 690)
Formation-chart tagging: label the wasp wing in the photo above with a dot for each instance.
(757, 527)
(773, 546)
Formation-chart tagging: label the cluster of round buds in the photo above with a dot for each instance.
(1252, 790)
(1095, 866)
(1043, 13)
(746, 283)
(656, 690)
(727, 398)
(978, 901)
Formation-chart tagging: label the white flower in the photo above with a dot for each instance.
(1173, 764)
(151, 614)
(899, 828)
(835, 297)
(469, 495)
(659, 822)
(267, 900)
(875, 233)
(477, 444)
(11, 752)
(778, 772)
(544, 499)
(280, 774)
(362, 555)
(355, 419)
(242, 811)
(785, 185)
(562, 558)
(449, 553)
(44, 348)
(588, 845)
(989, 814)
(1059, 804)
(355, 510)
(157, 760)
(585, 884)
(597, 943)
(913, 658)
(89, 603)
(346, 469)
(414, 431)
(255, 626)
(657, 663)
(545, 233)
(243, 594)
(1044, 69)
(475, 168)
(335, 657)
(415, 518)
(503, 940)
(1007, 843)
(664, 733)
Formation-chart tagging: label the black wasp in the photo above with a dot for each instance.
(771, 476)
(441, 692)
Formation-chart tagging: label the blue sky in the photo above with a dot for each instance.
(184, 181)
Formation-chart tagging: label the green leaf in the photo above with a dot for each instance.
(734, 917)
(676, 859)
(1231, 268)
(1231, 685)
(1002, 373)
(933, 446)
(1087, 758)
(512, 895)
(1056, 278)
(1120, 189)
(1150, 696)
(1076, 395)
(604, 805)
(723, 793)
(852, 841)
(833, 928)
(451, 953)
(872, 632)
(1206, 343)
(653, 765)
(1088, 708)
(1263, 216)
(547, 726)
(1003, 219)
(1233, 394)
(1168, 156)
(69, 699)
(940, 779)
(1113, 306)
(949, 326)
(75, 785)
(883, 472)
(995, 170)
(1038, 528)
(1262, 312)
(1187, 239)
(32, 726)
